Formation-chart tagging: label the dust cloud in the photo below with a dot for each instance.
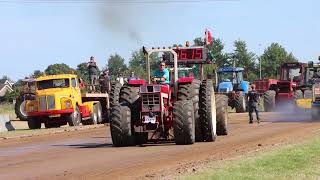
(122, 21)
(287, 111)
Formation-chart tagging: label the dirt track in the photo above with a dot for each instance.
(88, 154)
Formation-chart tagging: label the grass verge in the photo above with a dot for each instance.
(6, 108)
(291, 162)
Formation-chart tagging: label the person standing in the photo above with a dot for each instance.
(93, 73)
(104, 80)
(253, 103)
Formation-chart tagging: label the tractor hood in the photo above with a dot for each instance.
(244, 86)
(225, 87)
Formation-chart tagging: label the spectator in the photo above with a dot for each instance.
(93, 73)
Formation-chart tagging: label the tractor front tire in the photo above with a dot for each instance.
(122, 133)
(129, 95)
(222, 114)
(269, 100)
(240, 102)
(207, 110)
(191, 92)
(183, 122)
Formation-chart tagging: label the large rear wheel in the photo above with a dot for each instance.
(114, 93)
(191, 92)
(183, 122)
(240, 102)
(122, 133)
(208, 111)
(222, 114)
(269, 100)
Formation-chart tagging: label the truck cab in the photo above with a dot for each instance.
(58, 101)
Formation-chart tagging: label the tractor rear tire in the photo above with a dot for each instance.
(122, 133)
(298, 94)
(114, 93)
(129, 95)
(191, 92)
(240, 102)
(269, 100)
(222, 114)
(307, 94)
(34, 123)
(74, 119)
(207, 110)
(183, 122)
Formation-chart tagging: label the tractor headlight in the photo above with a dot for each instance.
(66, 103)
(143, 89)
(156, 88)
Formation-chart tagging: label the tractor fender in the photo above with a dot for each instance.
(244, 86)
(185, 80)
(225, 85)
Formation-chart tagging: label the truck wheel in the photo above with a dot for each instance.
(129, 95)
(122, 133)
(99, 112)
(51, 125)
(269, 100)
(191, 92)
(307, 94)
(34, 123)
(114, 93)
(207, 110)
(240, 102)
(93, 117)
(74, 119)
(222, 114)
(183, 122)
(298, 94)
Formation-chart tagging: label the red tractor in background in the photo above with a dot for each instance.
(186, 110)
(291, 85)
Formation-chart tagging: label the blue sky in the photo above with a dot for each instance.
(35, 35)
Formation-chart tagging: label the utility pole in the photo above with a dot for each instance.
(260, 61)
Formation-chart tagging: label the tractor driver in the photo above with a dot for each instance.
(161, 76)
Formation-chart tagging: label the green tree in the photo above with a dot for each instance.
(272, 58)
(37, 73)
(116, 65)
(62, 68)
(241, 57)
(137, 63)
(82, 72)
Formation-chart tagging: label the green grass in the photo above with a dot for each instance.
(291, 162)
(6, 108)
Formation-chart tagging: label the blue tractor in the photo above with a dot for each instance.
(231, 83)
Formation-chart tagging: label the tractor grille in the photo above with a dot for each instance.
(46, 103)
(150, 102)
(150, 99)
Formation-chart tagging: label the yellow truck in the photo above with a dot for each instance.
(59, 101)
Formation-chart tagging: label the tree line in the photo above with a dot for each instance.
(271, 59)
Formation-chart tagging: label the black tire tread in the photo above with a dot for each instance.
(183, 122)
(222, 114)
(269, 100)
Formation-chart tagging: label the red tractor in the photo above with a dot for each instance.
(185, 110)
(292, 84)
